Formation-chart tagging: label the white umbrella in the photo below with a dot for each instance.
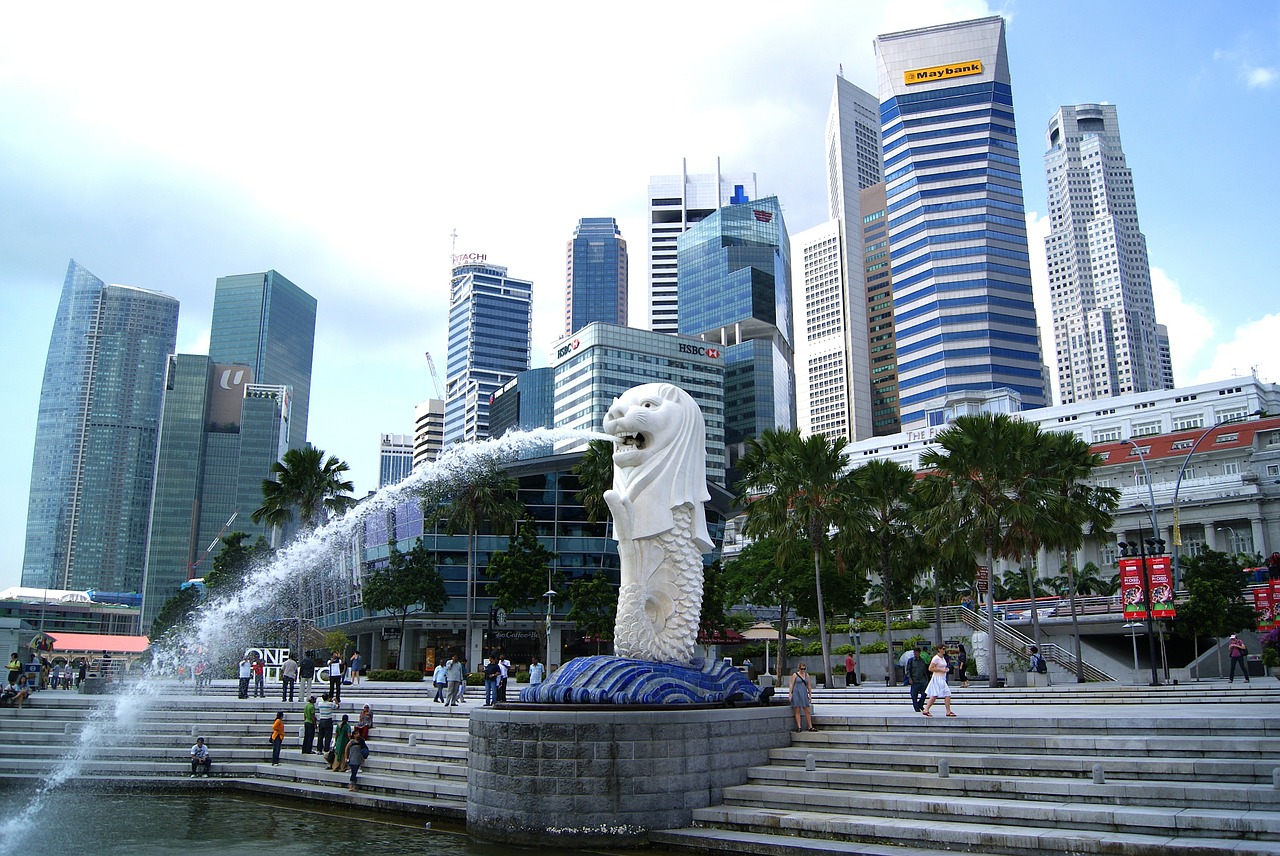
(766, 631)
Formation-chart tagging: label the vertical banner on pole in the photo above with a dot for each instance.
(1275, 599)
(1160, 573)
(1131, 593)
(1263, 605)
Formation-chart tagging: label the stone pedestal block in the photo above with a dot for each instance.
(606, 776)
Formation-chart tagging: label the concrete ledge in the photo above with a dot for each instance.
(605, 777)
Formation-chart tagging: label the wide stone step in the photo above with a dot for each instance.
(977, 835)
(1103, 746)
(1185, 793)
(1242, 823)
(1244, 769)
(1018, 724)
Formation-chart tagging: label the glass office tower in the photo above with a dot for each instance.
(96, 435)
(596, 280)
(965, 321)
(735, 292)
(265, 322)
(490, 336)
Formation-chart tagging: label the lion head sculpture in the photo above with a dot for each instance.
(660, 462)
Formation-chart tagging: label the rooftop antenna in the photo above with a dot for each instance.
(841, 72)
(454, 236)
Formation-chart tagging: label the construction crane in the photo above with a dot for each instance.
(191, 571)
(431, 364)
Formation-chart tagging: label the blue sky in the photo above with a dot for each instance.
(164, 145)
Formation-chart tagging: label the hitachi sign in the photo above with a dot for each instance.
(460, 259)
(942, 72)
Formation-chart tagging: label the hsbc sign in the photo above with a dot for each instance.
(568, 347)
(699, 350)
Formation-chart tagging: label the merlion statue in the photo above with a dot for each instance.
(978, 651)
(659, 487)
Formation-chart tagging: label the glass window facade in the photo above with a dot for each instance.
(597, 275)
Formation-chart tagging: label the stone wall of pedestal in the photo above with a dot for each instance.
(605, 777)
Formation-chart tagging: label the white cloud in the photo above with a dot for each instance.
(1191, 328)
(1246, 352)
(1259, 77)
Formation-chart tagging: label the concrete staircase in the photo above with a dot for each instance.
(417, 763)
(1174, 779)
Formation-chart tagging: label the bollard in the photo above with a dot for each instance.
(810, 763)
(1098, 778)
(1275, 778)
(413, 739)
(193, 731)
(944, 768)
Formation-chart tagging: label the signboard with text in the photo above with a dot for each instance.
(1160, 575)
(1132, 593)
(1264, 606)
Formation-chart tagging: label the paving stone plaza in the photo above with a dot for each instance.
(1093, 768)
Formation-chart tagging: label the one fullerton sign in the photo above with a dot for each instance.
(942, 72)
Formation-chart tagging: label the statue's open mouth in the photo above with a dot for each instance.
(637, 441)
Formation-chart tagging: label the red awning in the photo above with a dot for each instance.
(98, 642)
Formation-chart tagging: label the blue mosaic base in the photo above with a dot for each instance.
(615, 680)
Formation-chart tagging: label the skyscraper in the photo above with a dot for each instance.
(1104, 322)
(490, 342)
(676, 202)
(833, 374)
(735, 293)
(220, 435)
(265, 322)
(395, 458)
(525, 402)
(428, 431)
(596, 279)
(957, 230)
(96, 435)
(881, 327)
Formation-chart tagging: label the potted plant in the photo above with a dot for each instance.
(1016, 671)
(838, 678)
(1271, 652)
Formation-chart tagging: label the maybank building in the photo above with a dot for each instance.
(599, 362)
(962, 304)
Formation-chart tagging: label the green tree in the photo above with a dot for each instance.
(408, 584)
(595, 475)
(336, 640)
(757, 576)
(522, 574)
(479, 497)
(1215, 604)
(173, 617)
(977, 485)
(234, 562)
(593, 607)
(308, 482)
(794, 484)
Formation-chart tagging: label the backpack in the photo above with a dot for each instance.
(1041, 666)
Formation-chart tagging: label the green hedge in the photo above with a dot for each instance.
(404, 676)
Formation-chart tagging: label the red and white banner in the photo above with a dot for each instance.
(1160, 575)
(1132, 594)
(1264, 606)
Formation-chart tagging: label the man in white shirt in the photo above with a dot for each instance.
(537, 672)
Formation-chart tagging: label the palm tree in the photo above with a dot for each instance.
(476, 497)
(307, 481)
(595, 475)
(1089, 581)
(978, 486)
(791, 484)
(877, 529)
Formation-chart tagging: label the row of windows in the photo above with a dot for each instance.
(955, 270)
(1031, 341)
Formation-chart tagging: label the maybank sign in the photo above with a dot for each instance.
(942, 72)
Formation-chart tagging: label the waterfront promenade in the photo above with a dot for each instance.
(1094, 768)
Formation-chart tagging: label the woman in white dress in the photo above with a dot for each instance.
(938, 688)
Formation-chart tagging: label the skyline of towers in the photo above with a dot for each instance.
(490, 342)
(676, 202)
(1105, 332)
(395, 458)
(596, 279)
(957, 231)
(96, 435)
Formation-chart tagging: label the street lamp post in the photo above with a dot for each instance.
(1177, 527)
(550, 596)
(1235, 543)
(1133, 627)
(1142, 557)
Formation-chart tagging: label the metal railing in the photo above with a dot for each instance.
(1015, 642)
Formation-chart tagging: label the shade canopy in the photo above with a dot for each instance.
(764, 630)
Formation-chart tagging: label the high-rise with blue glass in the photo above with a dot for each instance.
(96, 435)
(965, 320)
(490, 342)
(265, 322)
(735, 292)
(596, 279)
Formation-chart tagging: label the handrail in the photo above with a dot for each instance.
(1017, 643)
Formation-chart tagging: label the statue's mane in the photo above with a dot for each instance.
(676, 476)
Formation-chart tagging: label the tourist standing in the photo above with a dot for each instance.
(902, 662)
(850, 671)
(962, 665)
(288, 677)
(246, 672)
(1237, 652)
(918, 675)
(308, 725)
(491, 671)
(83, 672)
(15, 668)
(457, 676)
(259, 669)
(354, 665)
(277, 738)
(504, 671)
(335, 677)
(341, 737)
(802, 697)
(324, 719)
(537, 673)
(938, 688)
(307, 672)
(356, 754)
(440, 679)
